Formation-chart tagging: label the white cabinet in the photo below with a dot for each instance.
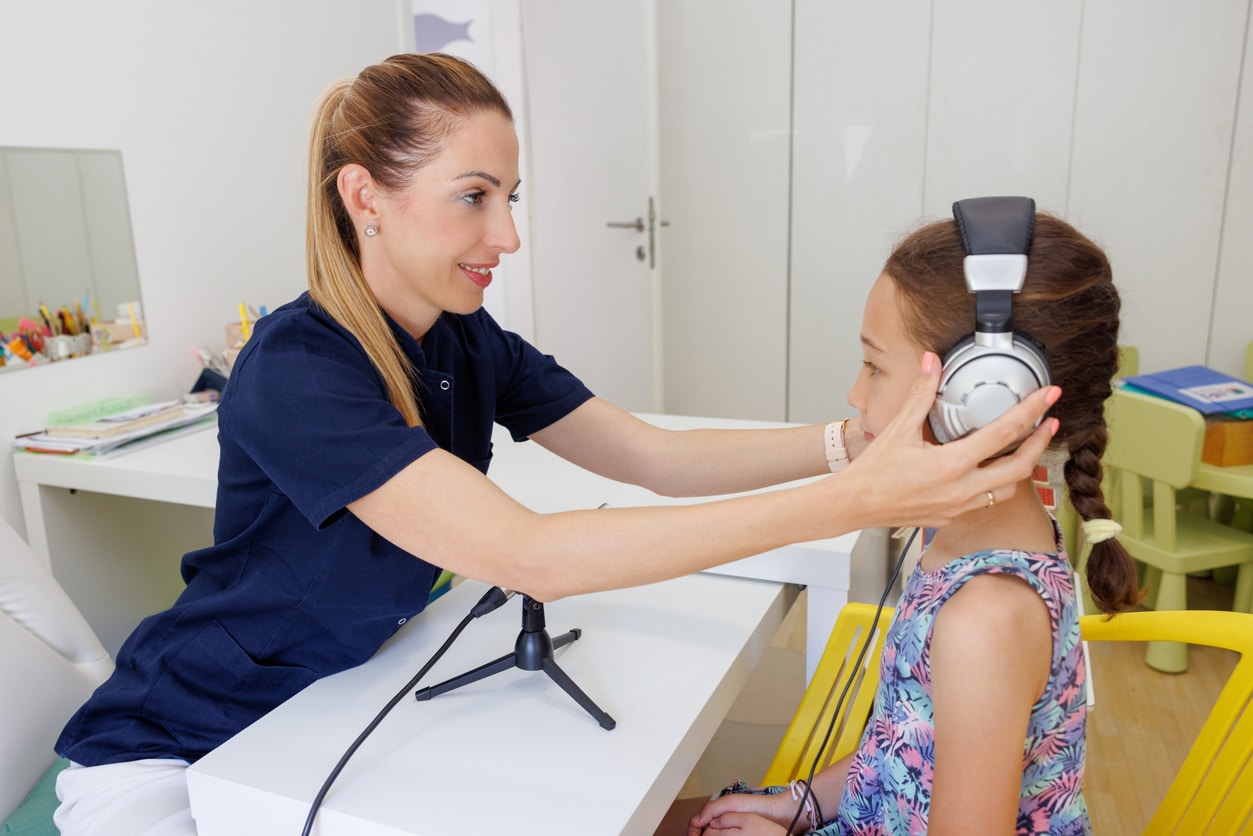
(799, 141)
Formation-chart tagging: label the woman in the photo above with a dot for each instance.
(355, 433)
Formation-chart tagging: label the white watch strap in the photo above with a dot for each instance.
(837, 453)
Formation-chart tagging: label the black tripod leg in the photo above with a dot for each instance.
(504, 663)
(576, 693)
(565, 638)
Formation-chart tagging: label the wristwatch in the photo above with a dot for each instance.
(837, 453)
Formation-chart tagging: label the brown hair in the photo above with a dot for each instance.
(1069, 305)
(391, 119)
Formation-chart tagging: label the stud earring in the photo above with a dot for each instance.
(371, 230)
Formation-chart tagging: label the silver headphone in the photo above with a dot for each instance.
(990, 371)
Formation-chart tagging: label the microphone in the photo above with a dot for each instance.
(492, 600)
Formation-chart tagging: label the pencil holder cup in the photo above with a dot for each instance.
(235, 335)
(65, 346)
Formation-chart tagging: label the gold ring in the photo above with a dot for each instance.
(991, 499)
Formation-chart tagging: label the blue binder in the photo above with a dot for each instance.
(1205, 390)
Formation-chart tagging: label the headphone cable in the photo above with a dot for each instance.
(870, 633)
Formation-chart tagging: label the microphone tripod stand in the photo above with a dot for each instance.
(533, 651)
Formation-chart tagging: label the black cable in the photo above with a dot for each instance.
(490, 601)
(809, 780)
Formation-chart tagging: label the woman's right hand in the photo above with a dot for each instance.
(904, 480)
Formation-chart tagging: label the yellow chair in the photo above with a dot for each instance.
(1158, 442)
(1213, 790)
(838, 665)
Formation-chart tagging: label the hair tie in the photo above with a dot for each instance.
(1098, 531)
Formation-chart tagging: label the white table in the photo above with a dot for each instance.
(182, 473)
(511, 753)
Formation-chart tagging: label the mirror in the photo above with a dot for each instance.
(66, 245)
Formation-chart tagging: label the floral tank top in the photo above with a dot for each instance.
(888, 790)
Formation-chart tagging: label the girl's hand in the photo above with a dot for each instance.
(774, 810)
(904, 480)
(743, 824)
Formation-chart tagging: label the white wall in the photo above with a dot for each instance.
(209, 104)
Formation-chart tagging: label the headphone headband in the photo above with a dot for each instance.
(996, 234)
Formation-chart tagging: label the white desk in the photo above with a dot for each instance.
(513, 752)
(183, 472)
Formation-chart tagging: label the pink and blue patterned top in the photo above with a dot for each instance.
(888, 790)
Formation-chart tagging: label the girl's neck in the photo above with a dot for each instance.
(1019, 523)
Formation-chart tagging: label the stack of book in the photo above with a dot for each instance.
(1225, 401)
(111, 432)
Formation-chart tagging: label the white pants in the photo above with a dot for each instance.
(139, 798)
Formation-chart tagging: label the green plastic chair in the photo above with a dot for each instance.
(1157, 442)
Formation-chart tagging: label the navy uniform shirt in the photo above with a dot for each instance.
(295, 587)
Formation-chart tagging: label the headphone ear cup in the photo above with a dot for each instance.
(980, 383)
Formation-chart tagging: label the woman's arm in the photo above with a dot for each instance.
(611, 442)
(991, 656)
(448, 513)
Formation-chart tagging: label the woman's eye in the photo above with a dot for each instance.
(870, 367)
(515, 197)
(474, 198)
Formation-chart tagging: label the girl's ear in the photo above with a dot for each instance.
(358, 192)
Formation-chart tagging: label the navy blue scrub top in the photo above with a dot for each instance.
(295, 587)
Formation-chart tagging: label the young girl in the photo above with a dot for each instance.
(979, 720)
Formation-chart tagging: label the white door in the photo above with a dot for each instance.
(590, 81)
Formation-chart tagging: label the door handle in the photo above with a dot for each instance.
(637, 224)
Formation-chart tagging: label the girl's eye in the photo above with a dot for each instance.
(870, 367)
(515, 197)
(474, 198)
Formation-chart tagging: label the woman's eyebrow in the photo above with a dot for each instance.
(489, 178)
(870, 344)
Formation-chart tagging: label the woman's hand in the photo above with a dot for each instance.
(904, 480)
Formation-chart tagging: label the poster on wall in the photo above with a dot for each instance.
(458, 27)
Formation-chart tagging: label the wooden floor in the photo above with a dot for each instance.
(1138, 732)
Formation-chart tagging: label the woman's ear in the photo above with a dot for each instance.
(358, 192)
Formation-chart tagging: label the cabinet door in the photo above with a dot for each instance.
(724, 71)
(857, 179)
(591, 111)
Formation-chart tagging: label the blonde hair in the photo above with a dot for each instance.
(391, 119)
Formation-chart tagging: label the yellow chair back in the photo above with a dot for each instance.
(838, 667)
(1213, 790)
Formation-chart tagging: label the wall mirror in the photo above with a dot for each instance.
(66, 243)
